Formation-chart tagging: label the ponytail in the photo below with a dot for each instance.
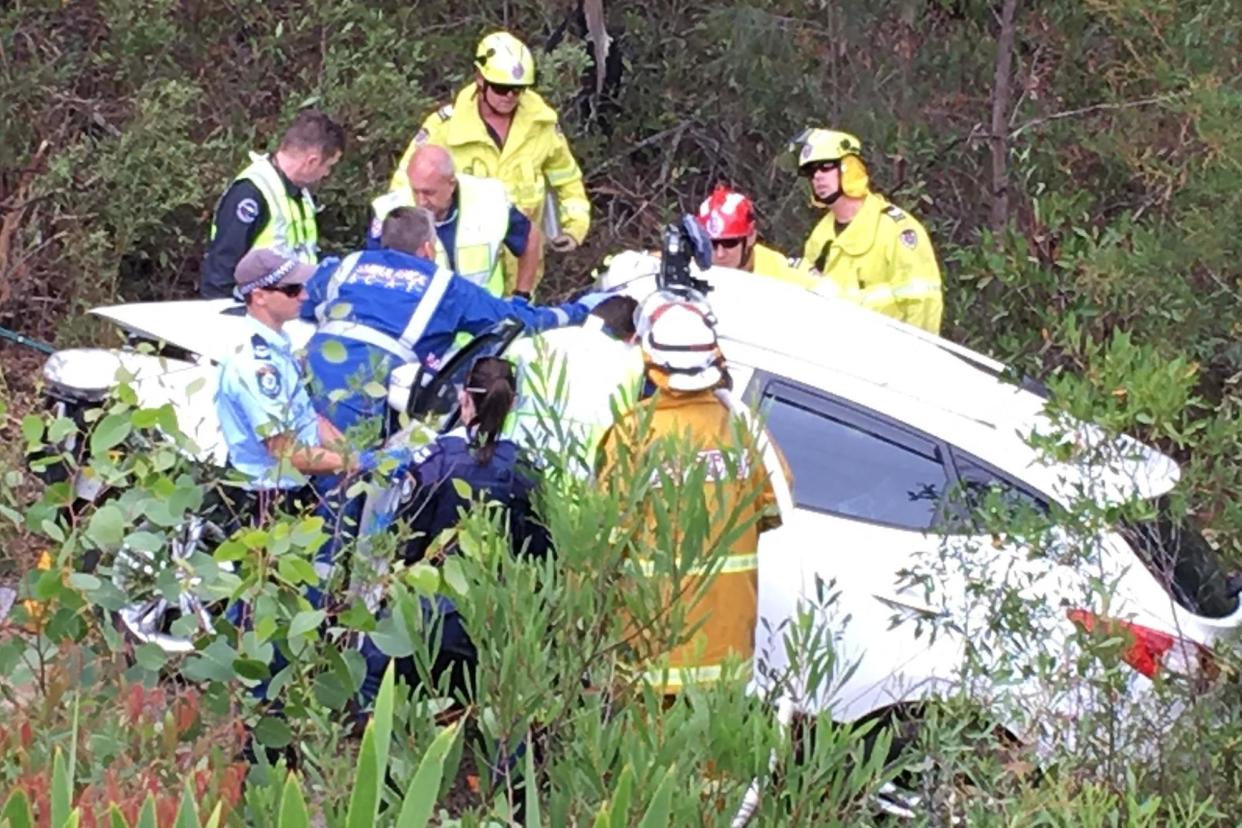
(491, 385)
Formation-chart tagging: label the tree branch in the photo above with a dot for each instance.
(1100, 107)
(1000, 108)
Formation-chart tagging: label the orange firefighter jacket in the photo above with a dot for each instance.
(739, 497)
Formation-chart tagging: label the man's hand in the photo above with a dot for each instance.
(563, 243)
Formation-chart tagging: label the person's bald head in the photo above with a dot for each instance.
(432, 179)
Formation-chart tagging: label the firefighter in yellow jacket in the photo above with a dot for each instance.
(862, 237)
(500, 128)
(699, 433)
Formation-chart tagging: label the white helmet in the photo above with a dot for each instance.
(677, 333)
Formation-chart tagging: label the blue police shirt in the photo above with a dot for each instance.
(515, 235)
(261, 395)
(411, 310)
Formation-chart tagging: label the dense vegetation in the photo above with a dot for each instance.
(1078, 164)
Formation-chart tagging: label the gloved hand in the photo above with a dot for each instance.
(563, 243)
(400, 457)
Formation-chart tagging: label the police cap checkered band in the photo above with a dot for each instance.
(264, 268)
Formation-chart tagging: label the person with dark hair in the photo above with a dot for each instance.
(378, 309)
(572, 381)
(494, 471)
(269, 203)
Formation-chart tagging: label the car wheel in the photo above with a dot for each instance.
(925, 787)
(151, 617)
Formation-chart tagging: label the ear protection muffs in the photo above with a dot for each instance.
(854, 180)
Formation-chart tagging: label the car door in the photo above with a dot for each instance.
(868, 493)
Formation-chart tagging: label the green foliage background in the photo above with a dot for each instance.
(1116, 274)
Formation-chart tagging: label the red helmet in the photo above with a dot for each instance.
(727, 214)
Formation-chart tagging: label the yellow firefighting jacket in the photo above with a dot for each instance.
(773, 263)
(887, 252)
(535, 156)
(726, 613)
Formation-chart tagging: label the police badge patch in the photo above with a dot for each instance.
(269, 381)
(247, 210)
(421, 136)
(909, 238)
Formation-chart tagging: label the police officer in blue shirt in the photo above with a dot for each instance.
(273, 434)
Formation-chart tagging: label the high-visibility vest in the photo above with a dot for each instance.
(482, 222)
(291, 226)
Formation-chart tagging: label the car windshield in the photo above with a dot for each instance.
(1184, 561)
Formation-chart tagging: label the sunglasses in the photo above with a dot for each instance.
(292, 291)
(809, 170)
(505, 90)
(727, 244)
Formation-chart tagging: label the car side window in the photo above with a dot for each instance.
(984, 498)
(848, 464)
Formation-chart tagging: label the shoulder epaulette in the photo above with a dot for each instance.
(445, 112)
(895, 213)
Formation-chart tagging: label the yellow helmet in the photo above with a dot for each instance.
(817, 146)
(503, 59)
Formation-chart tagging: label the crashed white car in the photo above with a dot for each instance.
(892, 436)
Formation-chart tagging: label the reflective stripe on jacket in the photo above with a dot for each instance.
(535, 156)
(887, 253)
(739, 496)
(291, 226)
(482, 222)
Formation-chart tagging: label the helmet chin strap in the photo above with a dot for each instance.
(748, 255)
(830, 200)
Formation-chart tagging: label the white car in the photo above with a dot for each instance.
(880, 423)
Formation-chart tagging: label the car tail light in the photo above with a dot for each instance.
(1151, 651)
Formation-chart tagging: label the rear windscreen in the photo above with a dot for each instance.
(1182, 559)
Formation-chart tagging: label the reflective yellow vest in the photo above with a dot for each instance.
(290, 226)
(535, 157)
(482, 222)
(888, 254)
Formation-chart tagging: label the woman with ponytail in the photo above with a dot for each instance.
(494, 471)
(492, 467)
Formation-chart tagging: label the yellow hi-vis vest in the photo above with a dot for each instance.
(291, 226)
(482, 222)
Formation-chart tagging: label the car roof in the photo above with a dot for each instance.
(944, 389)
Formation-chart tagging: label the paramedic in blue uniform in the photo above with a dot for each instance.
(273, 434)
(378, 309)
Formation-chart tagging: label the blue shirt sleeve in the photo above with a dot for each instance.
(477, 310)
(518, 232)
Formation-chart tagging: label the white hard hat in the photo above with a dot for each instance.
(679, 345)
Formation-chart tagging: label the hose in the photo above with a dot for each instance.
(22, 339)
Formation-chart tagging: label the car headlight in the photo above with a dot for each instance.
(81, 374)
